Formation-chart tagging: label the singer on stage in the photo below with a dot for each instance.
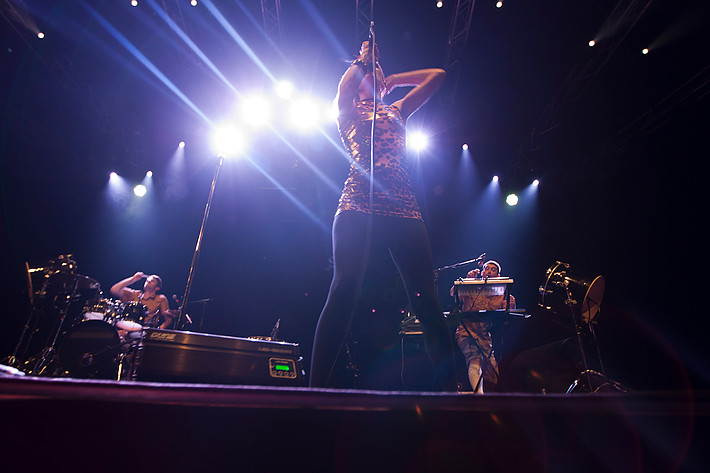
(384, 215)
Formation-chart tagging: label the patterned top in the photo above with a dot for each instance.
(393, 194)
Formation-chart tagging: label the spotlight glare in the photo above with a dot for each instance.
(439, 4)
(464, 147)
(284, 89)
(495, 179)
(181, 144)
(149, 174)
(113, 175)
(193, 3)
(592, 43)
(40, 35)
(227, 141)
(417, 141)
(499, 4)
(140, 190)
(255, 110)
(536, 182)
(644, 51)
(304, 114)
(511, 200)
(134, 3)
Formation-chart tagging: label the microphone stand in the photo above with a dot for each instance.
(198, 246)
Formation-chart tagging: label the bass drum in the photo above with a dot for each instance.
(583, 290)
(91, 350)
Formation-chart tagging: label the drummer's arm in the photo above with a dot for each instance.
(117, 290)
(166, 313)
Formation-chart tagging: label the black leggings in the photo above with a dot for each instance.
(408, 244)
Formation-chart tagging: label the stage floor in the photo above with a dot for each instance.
(82, 425)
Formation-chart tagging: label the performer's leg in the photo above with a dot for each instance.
(349, 240)
(409, 247)
(475, 375)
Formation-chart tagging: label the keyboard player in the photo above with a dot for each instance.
(473, 335)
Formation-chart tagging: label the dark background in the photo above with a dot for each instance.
(618, 140)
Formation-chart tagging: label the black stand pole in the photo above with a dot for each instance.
(196, 255)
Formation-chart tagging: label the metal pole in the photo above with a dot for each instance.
(196, 255)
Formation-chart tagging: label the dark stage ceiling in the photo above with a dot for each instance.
(616, 138)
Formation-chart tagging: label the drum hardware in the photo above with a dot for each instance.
(133, 316)
(580, 295)
(54, 307)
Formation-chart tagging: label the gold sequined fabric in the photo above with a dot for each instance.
(393, 195)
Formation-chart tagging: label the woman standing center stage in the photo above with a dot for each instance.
(384, 214)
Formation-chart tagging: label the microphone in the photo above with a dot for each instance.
(480, 259)
(372, 32)
(275, 330)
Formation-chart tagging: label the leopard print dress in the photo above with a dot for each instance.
(393, 195)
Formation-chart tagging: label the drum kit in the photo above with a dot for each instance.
(72, 330)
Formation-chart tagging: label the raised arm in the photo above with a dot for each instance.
(425, 83)
(117, 289)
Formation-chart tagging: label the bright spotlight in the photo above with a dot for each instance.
(193, 3)
(644, 51)
(417, 141)
(592, 43)
(181, 144)
(284, 89)
(304, 113)
(495, 179)
(255, 110)
(40, 35)
(149, 174)
(113, 175)
(140, 190)
(499, 4)
(134, 3)
(536, 182)
(511, 200)
(227, 141)
(464, 147)
(439, 4)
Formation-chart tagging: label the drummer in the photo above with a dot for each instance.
(158, 314)
(474, 336)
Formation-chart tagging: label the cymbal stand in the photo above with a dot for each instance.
(586, 373)
(49, 351)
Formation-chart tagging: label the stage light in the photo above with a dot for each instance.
(140, 190)
(181, 144)
(284, 89)
(193, 3)
(228, 141)
(40, 35)
(149, 174)
(304, 114)
(113, 175)
(464, 147)
(499, 4)
(134, 3)
(439, 4)
(417, 141)
(495, 179)
(592, 43)
(511, 200)
(536, 182)
(255, 110)
(644, 51)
